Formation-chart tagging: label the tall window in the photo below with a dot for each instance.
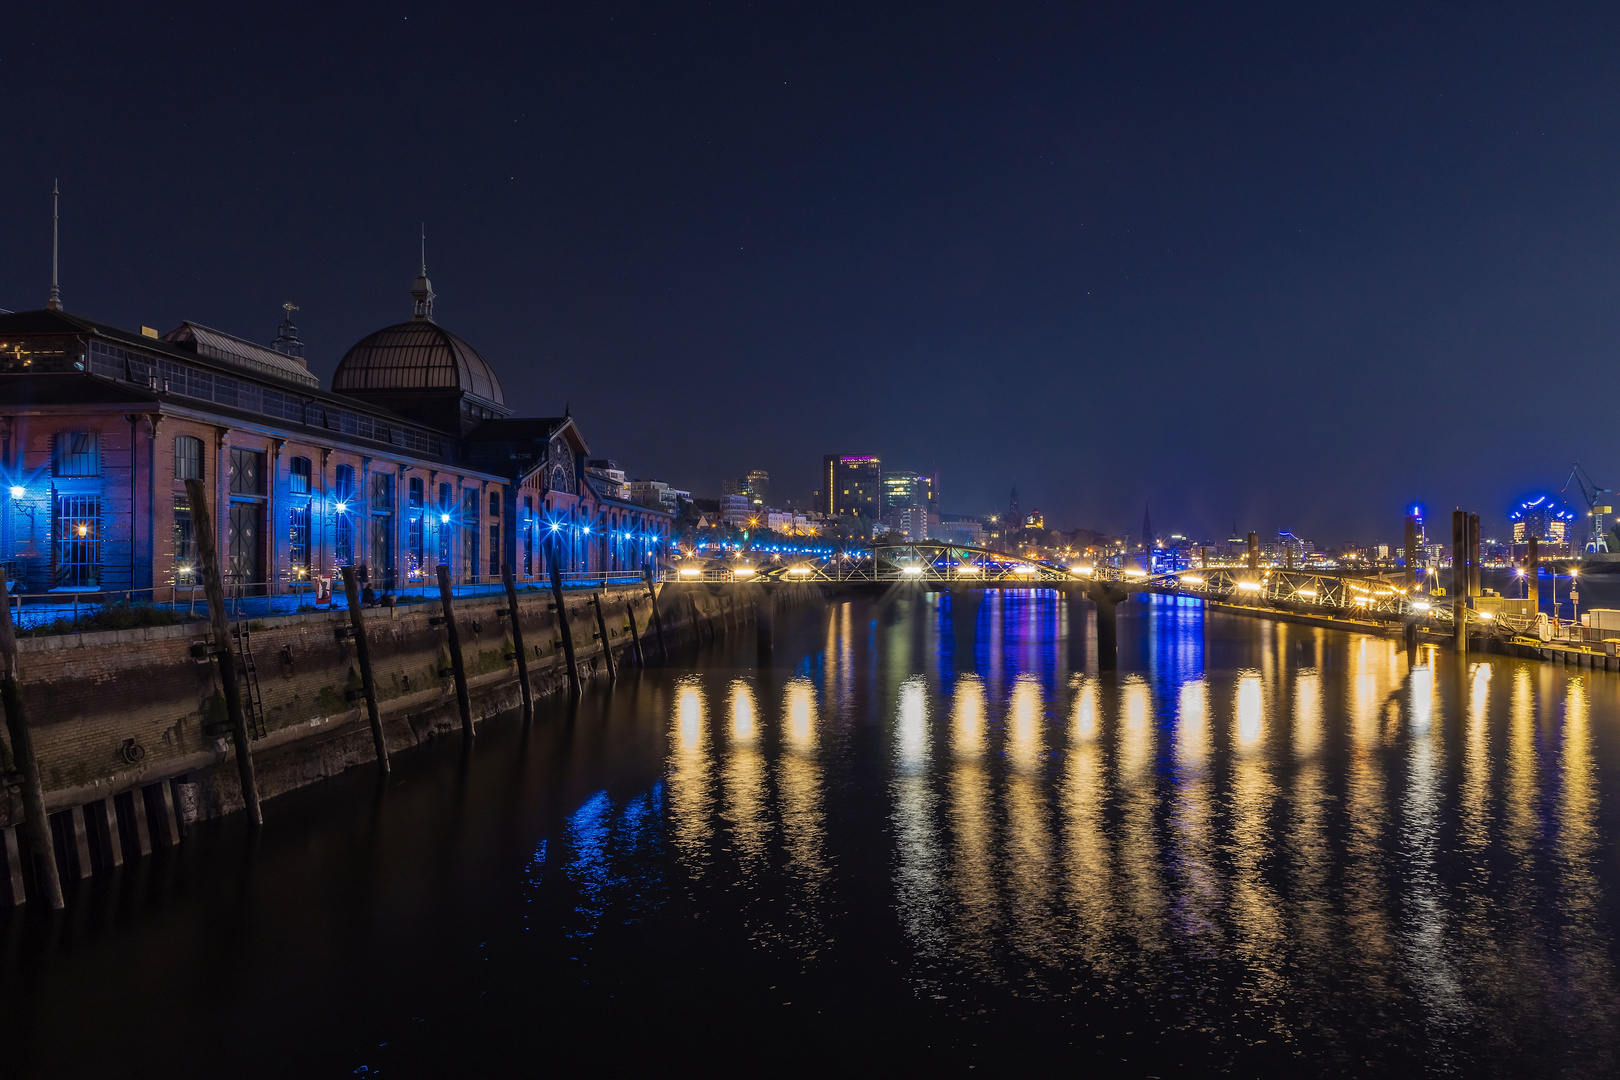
(469, 536)
(185, 543)
(343, 508)
(299, 482)
(446, 534)
(76, 453)
(76, 530)
(413, 538)
(494, 535)
(382, 529)
(188, 458)
(528, 536)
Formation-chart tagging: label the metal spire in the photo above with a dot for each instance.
(55, 302)
(422, 291)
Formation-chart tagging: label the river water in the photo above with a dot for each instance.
(931, 834)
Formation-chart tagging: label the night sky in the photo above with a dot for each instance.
(1284, 266)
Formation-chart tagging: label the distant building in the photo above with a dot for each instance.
(959, 530)
(1544, 518)
(911, 522)
(853, 485)
(790, 523)
(657, 495)
(736, 510)
(610, 479)
(903, 490)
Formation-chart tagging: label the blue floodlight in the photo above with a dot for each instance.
(18, 491)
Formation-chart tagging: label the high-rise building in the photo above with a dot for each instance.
(904, 490)
(1543, 518)
(1013, 518)
(854, 485)
(759, 487)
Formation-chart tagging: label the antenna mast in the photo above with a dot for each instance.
(55, 302)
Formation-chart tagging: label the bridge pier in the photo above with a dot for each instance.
(1107, 598)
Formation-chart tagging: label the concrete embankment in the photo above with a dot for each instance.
(133, 741)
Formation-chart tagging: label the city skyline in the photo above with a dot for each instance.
(1157, 256)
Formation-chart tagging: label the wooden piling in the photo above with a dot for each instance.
(602, 631)
(230, 681)
(635, 634)
(564, 631)
(458, 667)
(362, 652)
(657, 620)
(12, 893)
(510, 582)
(25, 761)
(139, 828)
(108, 845)
(77, 833)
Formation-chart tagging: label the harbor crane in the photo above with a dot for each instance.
(1597, 536)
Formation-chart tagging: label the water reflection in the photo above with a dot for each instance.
(1251, 847)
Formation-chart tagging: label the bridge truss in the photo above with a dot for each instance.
(936, 562)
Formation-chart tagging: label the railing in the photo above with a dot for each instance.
(85, 611)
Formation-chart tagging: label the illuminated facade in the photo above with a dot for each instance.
(411, 462)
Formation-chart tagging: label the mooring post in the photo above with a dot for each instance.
(565, 631)
(635, 634)
(362, 651)
(26, 763)
(1473, 555)
(230, 681)
(1459, 579)
(657, 619)
(602, 632)
(1532, 574)
(510, 582)
(458, 667)
(13, 893)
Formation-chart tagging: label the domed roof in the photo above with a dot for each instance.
(416, 355)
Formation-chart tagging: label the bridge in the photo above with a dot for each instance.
(1383, 598)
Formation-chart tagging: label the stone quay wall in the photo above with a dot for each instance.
(133, 741)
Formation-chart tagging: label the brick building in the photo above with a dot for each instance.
(413, 459)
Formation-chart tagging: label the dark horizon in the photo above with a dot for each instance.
(1269, 267)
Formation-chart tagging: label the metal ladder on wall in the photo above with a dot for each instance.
(253, 703)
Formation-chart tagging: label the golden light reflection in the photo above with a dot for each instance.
(1476, 762)
(1367, 921)
(911, 724)
(1138, 844)
(1586, 939)
(1254, 903)
(1089, 862)
(1085, 712)
(803, 817)
(1024, 716)
(973, 877)
(1029, 843)
(690, 799)
(967, 717)
(744, 780)
(1192, 830)
(1519, 787)
(919, 858)
(801, 714)
(1250, 710)
(1307, 714)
